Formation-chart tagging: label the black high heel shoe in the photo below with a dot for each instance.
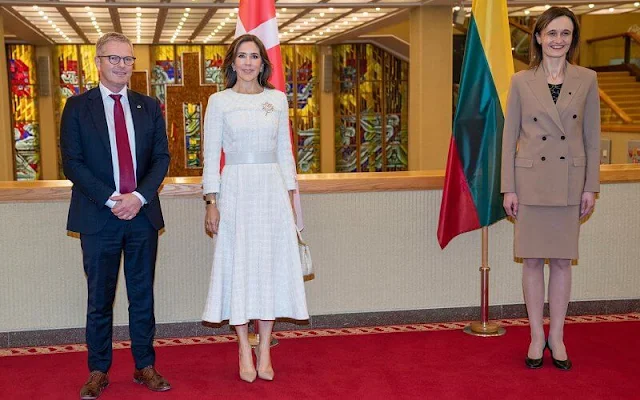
(534, 363)
(564, 365)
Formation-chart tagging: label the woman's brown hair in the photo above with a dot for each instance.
(535, 49)
(231, 77)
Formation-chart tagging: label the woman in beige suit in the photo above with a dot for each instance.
(550, 171)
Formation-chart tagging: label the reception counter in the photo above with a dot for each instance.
(372, 238)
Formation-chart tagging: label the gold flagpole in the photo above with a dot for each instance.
(484, 327)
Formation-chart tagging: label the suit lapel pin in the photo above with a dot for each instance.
(138, 106)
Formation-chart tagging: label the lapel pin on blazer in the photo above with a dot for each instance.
(138, 106)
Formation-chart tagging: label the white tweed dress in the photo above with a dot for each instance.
(256, 265)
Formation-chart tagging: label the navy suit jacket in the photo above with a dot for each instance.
(86, 158)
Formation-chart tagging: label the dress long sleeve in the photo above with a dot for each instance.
(285, 155)
(213, 125)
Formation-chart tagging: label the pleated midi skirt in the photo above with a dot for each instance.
(547, 232)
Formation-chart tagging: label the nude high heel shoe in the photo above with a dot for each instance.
(266, 375)
(247, 376)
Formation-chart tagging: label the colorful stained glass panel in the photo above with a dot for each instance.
(308, 159)
(213, 60)
(346, 159)
(346, 131)
(90, 76)
(192, 114)
(24, 111)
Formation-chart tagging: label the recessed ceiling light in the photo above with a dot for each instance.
(591, 5)
(322, 14)
(546, 7)
(527, 12)
(637, 4)
(284, 9)
(377, 8)
(611, 9)
(330, 8)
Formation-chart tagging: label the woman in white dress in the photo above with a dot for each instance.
(256, 265)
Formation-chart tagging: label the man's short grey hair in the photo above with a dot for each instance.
(111, 37)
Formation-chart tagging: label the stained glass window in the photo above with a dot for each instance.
(90, 77)
(192, 114)
(371, 109)
(66, 67)
(213, 59)
(301, 79)
(162, 71)
(24, 111)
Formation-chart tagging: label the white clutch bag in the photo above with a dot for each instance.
(305, 256)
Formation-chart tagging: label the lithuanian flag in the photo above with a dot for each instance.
(471, 197)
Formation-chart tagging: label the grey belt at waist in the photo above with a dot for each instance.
(256, 157)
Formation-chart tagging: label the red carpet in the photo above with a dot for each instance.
(418, 361)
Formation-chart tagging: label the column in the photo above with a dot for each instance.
(6, 130)
(430, 87)
(327, 120)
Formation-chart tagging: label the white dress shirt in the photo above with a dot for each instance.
(109, 105)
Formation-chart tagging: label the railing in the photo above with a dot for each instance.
(629, 38)
(613, 114)
(520, 41)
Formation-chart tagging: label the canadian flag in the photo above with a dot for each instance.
(258, 17)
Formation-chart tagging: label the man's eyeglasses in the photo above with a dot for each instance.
(115, 60)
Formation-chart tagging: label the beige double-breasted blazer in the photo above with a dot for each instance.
(551, 152)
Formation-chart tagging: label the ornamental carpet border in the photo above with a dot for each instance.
(325, 332)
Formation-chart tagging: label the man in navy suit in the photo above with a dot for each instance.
(115, 151)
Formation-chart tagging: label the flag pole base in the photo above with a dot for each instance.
(484, 329)
(254, 339)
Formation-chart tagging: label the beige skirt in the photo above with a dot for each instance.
(547, 232)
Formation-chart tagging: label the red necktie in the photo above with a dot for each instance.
(125, 162)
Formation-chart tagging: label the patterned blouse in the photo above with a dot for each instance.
(555, 91)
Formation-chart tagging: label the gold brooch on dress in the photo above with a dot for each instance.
(267, 108)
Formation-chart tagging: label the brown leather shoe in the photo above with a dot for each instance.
(149, 377)
(94, 386)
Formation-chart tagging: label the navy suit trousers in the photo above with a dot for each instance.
(102, 252)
